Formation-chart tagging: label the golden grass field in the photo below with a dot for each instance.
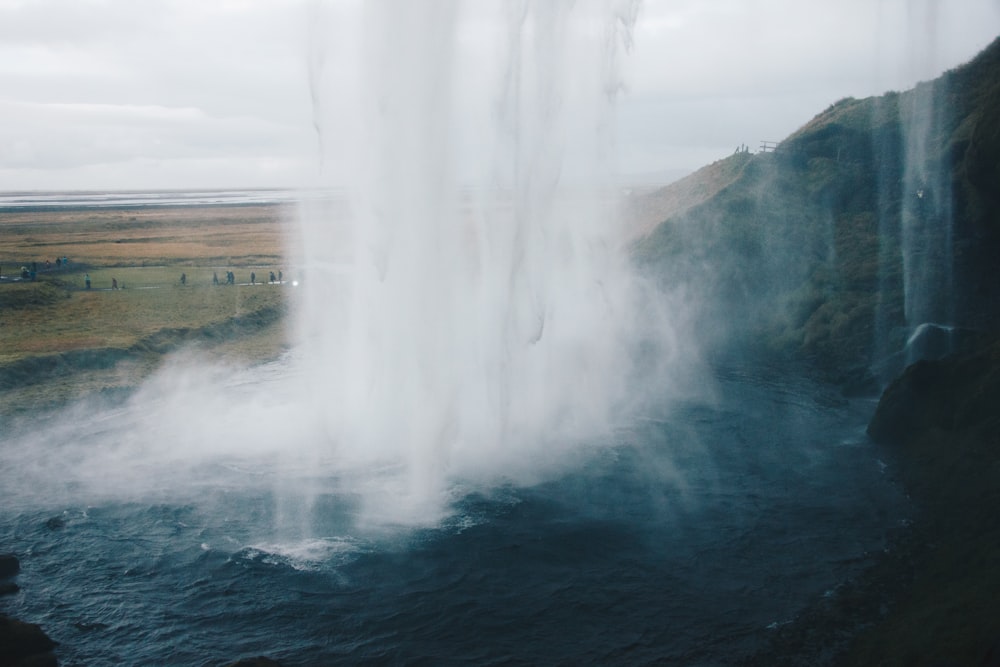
(179, 235)
(59, 340)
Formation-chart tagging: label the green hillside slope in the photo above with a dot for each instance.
(877, 216)
(869, 240)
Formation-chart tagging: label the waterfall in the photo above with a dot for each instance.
(469, 306)
(926, 217)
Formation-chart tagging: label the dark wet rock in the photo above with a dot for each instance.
(940, 426)
(24, 644)
(38, 660)
(9, 565)
(917, 400)
(929, 597)
(931, 342)
(8, 588)
(935, 341)
(259, 661)
(955, 393)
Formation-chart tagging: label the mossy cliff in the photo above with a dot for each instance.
(868, 245)
(877, 216)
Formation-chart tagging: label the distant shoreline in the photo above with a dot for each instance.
(137, 207)
(44, 201)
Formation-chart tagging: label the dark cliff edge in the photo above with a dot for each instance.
(931, 597)
(941, 421)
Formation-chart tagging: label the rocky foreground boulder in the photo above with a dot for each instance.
(940, 423)
(958, 394)
(24, 644)
(9, 565)
(21, 644)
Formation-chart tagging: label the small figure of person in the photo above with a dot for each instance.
(86, 280)
(279, 277)
(272, 276)
(184, 279)
(215, 278)
(114, 283)
(253, 278)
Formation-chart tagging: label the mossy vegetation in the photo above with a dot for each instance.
(801, 250)
(24, 295)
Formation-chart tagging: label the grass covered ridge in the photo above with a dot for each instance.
(801, 250)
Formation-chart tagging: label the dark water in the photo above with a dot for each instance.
(684, 542)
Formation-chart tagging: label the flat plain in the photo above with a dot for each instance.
(60, 340)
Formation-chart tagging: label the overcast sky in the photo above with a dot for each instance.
(123, 94)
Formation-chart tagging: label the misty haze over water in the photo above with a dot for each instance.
(496, 442)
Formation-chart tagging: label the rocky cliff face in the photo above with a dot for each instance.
(878, 217)
(869, 245)
(939, 421)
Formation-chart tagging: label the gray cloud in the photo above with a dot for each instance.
(706, 77)
(180, 93)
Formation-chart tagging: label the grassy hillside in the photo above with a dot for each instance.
(62, 340)
(876, 216)
(150, 236)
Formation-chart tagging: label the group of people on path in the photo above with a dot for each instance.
(86, 282)
(231, 278)
(31, 271)
(271, 279)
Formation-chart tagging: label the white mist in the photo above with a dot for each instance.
(468, 314)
